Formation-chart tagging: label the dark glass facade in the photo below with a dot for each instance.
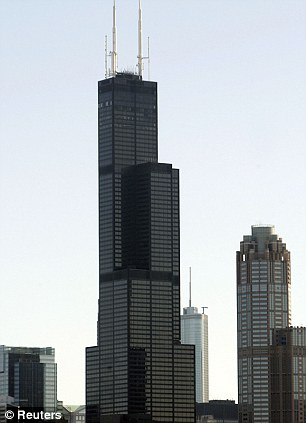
(127, 129)
(92, 384)
(139, 370)
(225, 411)
(26, 380)
(288, 375)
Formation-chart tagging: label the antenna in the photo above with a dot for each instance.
(189, 286)
(140, 64)
(140, 57)
(105, 56)
(203, 309)
(114, 51)
(148, 57)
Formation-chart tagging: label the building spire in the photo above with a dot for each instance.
(114, 50)
(140, 57)
(189, 286)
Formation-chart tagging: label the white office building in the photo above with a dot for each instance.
(194, 331)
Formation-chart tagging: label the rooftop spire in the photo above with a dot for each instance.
(189, 286)
(114, 51)
(140, 57)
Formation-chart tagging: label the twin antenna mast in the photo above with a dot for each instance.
(111, 72)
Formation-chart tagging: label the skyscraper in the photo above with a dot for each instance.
(263, 305)
(194, 327)
(139, 371)
(29, 375)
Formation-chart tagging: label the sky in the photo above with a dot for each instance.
(232, 117)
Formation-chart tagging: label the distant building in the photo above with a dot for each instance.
(217, 411)
(194, 331)
(6, 403)
(263, 305)
(29, 376)
(73, 413)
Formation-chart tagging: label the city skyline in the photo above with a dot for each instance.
(231, 78)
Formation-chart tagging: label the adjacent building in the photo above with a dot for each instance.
(6, 404)
(73, 413)
(263, 305)
(288, 375)
(217, 411)
(29, 377)
(194, 331)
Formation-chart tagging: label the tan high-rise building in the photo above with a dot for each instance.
(263, 304)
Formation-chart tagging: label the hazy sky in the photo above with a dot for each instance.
(232, 118)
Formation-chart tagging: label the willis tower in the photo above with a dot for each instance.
(139, 371)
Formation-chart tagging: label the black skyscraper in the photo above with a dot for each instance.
(139, 371)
